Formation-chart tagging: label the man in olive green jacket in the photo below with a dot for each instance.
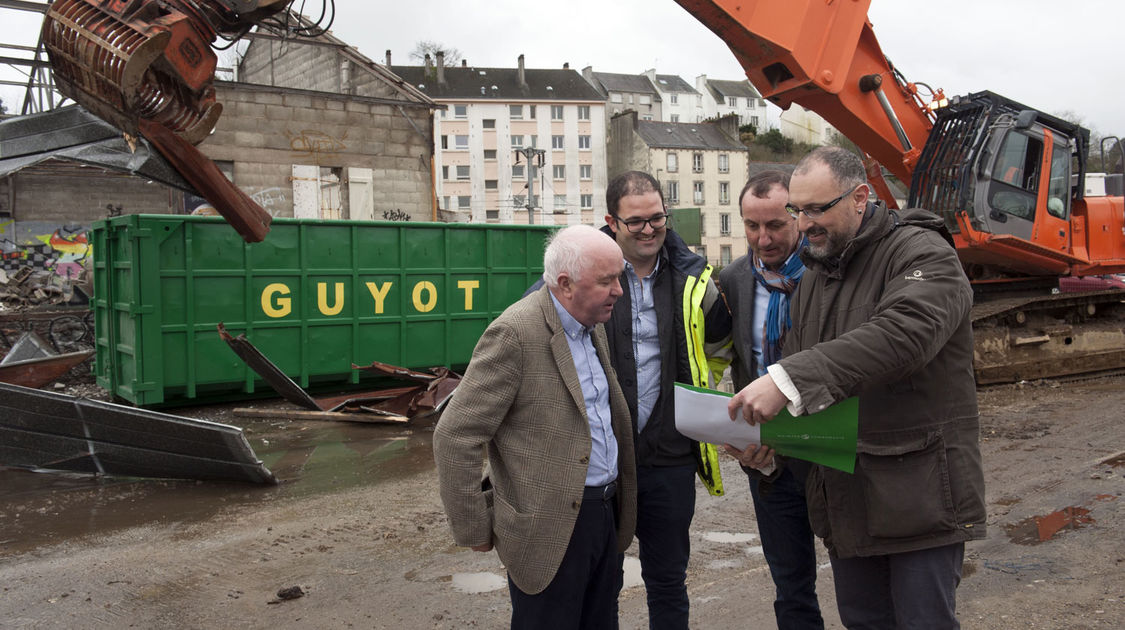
(882, 313)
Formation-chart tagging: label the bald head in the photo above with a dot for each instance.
(581, 268)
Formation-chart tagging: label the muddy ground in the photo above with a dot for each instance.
(358, 526)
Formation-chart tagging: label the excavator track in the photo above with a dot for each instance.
(1063, 334)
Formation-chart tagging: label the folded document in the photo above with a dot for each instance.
(827, 437)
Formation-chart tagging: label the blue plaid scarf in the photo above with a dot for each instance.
(780, 284)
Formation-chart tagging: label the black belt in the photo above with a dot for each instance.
(600, 493)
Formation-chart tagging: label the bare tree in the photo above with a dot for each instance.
(426, 47)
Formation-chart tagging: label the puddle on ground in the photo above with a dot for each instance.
(308, 458)
(728, 537)
(632, 572)
(1038, 529)
(478, 582)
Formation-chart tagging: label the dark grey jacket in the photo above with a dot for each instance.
(890, 324)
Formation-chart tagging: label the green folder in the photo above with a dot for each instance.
(827, 437)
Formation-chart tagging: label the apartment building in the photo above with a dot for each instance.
(679, 101)
(493, 121)
(626, 91)
(700, 165)
(722, 98)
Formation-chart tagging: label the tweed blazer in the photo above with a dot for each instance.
(521, 401)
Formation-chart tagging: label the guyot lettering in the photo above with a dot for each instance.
(277, 299)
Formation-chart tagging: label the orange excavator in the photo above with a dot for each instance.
(1009, 180)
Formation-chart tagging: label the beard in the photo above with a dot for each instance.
(830, 249)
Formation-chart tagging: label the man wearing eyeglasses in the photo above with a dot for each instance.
(882, 313)
(758, 287)
(663, 329)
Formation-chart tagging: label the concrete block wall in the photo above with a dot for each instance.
(43, 196)
(266, 131)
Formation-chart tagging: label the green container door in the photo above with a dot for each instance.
(314, 296)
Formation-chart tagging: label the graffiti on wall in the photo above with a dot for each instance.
(309, 143)
(271, 199)
(395, 215)
(64, 249)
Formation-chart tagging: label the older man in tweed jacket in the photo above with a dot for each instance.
(540, 396)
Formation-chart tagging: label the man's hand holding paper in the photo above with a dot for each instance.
(759, 401)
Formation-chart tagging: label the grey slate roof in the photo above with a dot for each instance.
(668, 135)
(673, 83)
(637, 83)
(741, 89)
(499, 83)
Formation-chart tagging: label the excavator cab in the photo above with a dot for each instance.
(1000, 174)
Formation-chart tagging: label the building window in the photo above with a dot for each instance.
(558, 142)
(558, 172)
(517, 141)
(445, 142)
(749, 103)
(672, 192)
(556, 112)
(616, 98)
(515, 111)
(754, 121)
(462, 172)
(490, 154)
(644, 99)
(464, 201)
(674, 98)
(673, 162)
(489, 123)
(724, 224)
(445, 203)
(492, 214)
(585, 171)
(460, 111)
(445, 175)
(732, 101)
(461, 143)
(674, 118)
(630, 101)
(584, 143)
(583, 112)
(587, 201)
(560, 203)
(517, 171)
(724, 193)
(724, 163)
(696, 162)
(724, 255)
(491, 184)
(697, 193)
(646, 117)
(531, 111)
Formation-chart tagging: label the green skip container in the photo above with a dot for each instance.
(314, 296)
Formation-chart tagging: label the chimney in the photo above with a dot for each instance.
(729, 125)
(440, 55)
(388, 57)
(464, 63)
(566, 65)
(427, 61)
(523, 75)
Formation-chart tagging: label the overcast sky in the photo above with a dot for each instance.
(1026, 50)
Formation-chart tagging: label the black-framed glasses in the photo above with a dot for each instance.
(636, 226)
(815, 213)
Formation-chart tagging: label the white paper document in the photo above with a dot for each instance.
(703, 417)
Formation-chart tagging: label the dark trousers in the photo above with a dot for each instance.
(789, 546)
(665, 506)
(583, 593)
(915, 590)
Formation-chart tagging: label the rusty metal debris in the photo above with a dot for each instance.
(48, 431)
(37, 372)
(396, 404)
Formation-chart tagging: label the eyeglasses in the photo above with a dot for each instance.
(815, 213)
(636, 226)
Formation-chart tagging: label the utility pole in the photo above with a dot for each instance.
(534, 158)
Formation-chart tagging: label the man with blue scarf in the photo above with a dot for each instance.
(758, 287)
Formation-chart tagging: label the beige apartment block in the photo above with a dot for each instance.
(493, 120)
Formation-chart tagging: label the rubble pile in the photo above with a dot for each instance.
(30, 288)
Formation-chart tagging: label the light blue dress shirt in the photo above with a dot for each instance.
(595, 389)
(646, 341)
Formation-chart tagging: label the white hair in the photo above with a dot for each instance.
(568, 252)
